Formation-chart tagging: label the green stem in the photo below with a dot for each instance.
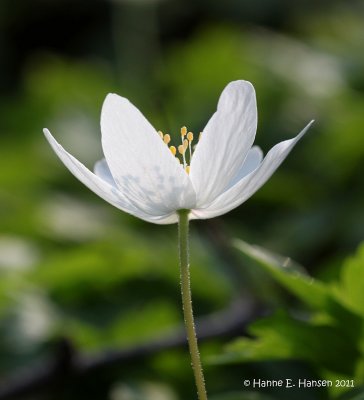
(187, 303)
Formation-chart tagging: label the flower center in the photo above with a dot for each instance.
(181, 153)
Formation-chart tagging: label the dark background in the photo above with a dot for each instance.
(78, 277)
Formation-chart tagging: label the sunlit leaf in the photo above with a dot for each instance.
(350, 289)
(289, 274)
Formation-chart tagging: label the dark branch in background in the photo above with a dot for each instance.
(67, 363)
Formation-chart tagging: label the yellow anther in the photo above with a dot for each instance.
(166, 138)
(183, 131)
(199, 136)
(181, 149)
(186, 143)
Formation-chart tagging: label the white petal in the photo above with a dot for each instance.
(102, 170)
(249, 184)
(169, 219)
(101, 187)
(141, 164)
(251, 162)
(224, 142)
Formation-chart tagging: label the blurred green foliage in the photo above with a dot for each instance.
(329, 336)
(72, 266)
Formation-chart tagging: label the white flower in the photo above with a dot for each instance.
(142, 176)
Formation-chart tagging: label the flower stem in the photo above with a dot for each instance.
(187, 303)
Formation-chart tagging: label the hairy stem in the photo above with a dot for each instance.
(187, 303)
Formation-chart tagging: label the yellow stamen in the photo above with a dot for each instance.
(187, 138)
(166, 138)
(181, 149)
(190, 138)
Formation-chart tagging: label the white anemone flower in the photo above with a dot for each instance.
(144, 176)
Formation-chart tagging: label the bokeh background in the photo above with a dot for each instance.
(89, 296)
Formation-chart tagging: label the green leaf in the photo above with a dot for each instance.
(350, 288)
(315, 294)
(289, 274)
(282, 337)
